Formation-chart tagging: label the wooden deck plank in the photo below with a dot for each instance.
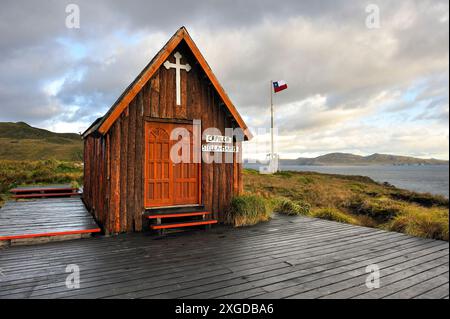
(161, 284)
(133, 288)
(250, 262)
(99, 254)
(388, 279)
(420, 278)
(164, 269)
(398, 267)
(102, 252)
(436, 293)
(206, 250)
(254, 240)
(163, 265)
(313, 277)
(45, 218)
(182, 266)
(441, 276)
(173, 245)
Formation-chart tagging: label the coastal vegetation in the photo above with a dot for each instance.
(355, 200)
(19, 173)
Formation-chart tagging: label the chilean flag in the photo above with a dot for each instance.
(279, 86)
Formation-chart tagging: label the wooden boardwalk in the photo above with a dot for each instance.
(289, 257)
(44, 218)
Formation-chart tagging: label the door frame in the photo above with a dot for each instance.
(147, 122)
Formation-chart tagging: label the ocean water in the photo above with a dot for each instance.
(432, 179)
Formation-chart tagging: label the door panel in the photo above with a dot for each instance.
(186, 175)
(168, 183)
(158, 166)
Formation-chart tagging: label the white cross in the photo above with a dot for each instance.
(178, 66)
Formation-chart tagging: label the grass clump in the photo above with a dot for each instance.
(333, 215)
(424, 199)
(353, 199)
(422, 224)
(291, 208)
(380, 209)
(246, 210)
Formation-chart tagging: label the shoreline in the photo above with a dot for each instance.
(354, 199)
(432, 179)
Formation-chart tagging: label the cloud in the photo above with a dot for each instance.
(345, 80)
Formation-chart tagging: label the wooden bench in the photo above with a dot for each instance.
(43, 192)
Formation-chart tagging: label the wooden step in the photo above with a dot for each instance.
(184, 224)
(175, 215)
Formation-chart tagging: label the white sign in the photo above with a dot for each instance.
(220, 148)
(219, 139)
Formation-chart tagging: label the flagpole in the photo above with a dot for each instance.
(271, 122)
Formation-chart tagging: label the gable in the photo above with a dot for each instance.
(103, 125)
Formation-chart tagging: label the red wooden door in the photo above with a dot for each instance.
(168, 183)
(186, 174)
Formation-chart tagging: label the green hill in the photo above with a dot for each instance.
(20, 141)
(351, 159)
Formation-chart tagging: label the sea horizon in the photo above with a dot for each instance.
(432, 179)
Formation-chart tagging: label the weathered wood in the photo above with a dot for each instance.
(181, 111)
(45, 218)
(124, 172)
(156, 102)
(103, 182)
(163, 87)
(146, 104)
(138, 170)
(147, 74)
(116, 143)
(170, 92)
(281, 257)
(106, 221)
(154, 96)
(131, 159)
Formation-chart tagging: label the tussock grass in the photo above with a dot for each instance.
(2, 199)
(247, 210)
(423, 199)
(334, 214)
(289, 207)
(381, 209)
(422, 223)
(353, 199)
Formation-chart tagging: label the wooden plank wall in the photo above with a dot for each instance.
(114, 164)
(96, 182)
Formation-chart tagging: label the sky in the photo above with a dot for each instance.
(361, 80)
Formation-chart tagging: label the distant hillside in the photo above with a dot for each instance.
(20, 141)
(351, 159)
